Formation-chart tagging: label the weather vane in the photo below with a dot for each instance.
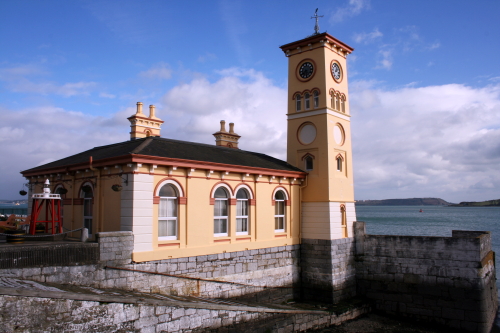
(316, 27)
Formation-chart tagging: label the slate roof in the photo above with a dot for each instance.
(161, 147)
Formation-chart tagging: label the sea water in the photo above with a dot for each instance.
(431, 221)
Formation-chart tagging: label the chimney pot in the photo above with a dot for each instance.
(152, 111)
(231, 128)
(139, 108)
(222, 125)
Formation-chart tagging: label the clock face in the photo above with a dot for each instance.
(306, 70)
(336, 71)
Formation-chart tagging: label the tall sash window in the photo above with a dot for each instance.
(242, 212)
(279, 211)
(167, 213)
(220, 212)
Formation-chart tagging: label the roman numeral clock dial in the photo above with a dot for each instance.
(306, 70)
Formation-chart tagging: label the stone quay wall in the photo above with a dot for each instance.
(261, 275)
(37, 314)
(447, 280)
(328, 269)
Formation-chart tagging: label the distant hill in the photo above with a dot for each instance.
(404, 202)
(488, 203)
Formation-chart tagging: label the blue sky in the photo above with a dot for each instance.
(424, 83)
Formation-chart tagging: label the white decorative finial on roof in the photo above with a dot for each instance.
(316, 27)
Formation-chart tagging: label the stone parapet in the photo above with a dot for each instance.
(447, 280)
(115, 248)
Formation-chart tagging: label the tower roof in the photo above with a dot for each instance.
(316, 38)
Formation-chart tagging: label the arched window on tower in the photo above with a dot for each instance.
(342, 103)
(242, 212)
(339, 163)
(298, 102)
(316, 99)
(337, 102)
(344, 221)
(307, 101)
(220, 212)
(309, 164)
(167, 213)
(279, 211)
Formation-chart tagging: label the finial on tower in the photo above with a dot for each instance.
(316, 27)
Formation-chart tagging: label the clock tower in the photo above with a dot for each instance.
(319, 142)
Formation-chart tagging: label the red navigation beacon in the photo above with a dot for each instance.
(52, 217)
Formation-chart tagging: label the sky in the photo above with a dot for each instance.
(424, 83)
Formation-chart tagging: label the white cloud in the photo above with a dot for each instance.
(353, 8)
(367, 37)
(434, 46)
(106, 95)
(160, 71)
(385, 58)
(35, 136)
(441, 141)
(207, 57)
(16, 80)
(245, 97)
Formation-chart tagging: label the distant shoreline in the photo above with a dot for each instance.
(427, 202)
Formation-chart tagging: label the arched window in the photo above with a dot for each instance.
(342, 103)
(344, 221)
(339, 163)
(332, 100)
(220, 212)
(87, 193)
(316, 99)
(279, 211)
(298, 102)
(308, 160)
(307, 101)
(242, 212)
(167, 213)
(148, 133)
(337, 104)
(62, 192)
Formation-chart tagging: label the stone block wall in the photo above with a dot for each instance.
(328, 269)
(35, 314)
(448, 280)
(268, 274)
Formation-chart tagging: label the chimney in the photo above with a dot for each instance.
(224, 138)
(152, 109)
(139, 109)
(141, 126)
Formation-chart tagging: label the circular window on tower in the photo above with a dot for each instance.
(305, 70)
(338, 134)
(307, 133)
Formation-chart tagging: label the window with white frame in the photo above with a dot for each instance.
(307, 101)
(279, 211)
(167, 213)
(220, 212)
(316, 99)
(298, 102)
(242, 212)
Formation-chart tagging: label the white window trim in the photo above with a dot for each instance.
(230, 195)
(176, 219)
(247, 217)
(284, 208)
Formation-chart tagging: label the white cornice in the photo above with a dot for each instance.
(304, 114)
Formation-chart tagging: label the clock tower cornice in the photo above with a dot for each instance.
(315, 41)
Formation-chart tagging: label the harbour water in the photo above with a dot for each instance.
(432, 221)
